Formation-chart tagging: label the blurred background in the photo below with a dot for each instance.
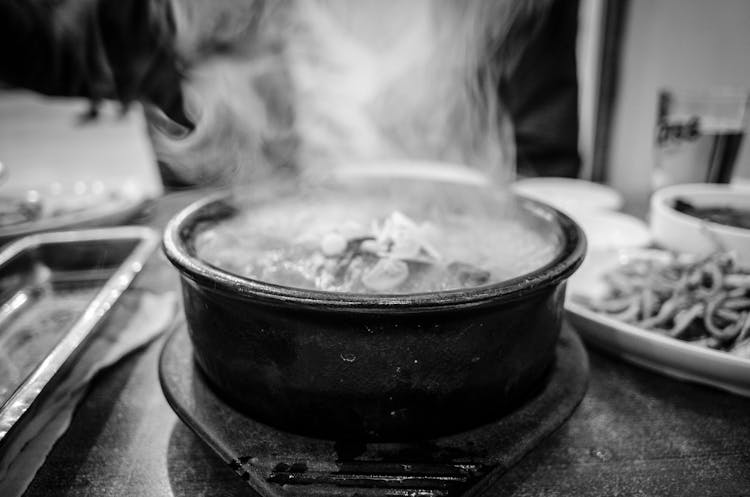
(626, 52)
(686, 44)
(42, 141)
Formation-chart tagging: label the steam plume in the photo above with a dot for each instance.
(308, 85)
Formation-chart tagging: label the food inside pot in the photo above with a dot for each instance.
(369, 245)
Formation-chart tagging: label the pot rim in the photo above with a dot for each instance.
(560, 268)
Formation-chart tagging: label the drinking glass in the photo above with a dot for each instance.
(698, 135)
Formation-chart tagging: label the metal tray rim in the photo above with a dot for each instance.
(82, 329)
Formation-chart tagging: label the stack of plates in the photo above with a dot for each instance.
(593, 206)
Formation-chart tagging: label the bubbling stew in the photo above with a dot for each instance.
(379, 244)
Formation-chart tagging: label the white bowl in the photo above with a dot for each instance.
(681, 232)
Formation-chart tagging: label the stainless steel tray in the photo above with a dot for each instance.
(55, 290)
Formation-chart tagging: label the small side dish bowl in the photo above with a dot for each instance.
(371, 367)
(687, 233)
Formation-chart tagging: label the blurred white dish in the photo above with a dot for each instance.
(411, 169)
(606, 230)
(593, 207)
(663, 354)
(75, 205)
(568, 194)
(684, 233)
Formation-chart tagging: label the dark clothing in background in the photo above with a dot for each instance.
(541, 94)
(97, 49)
(53, 48)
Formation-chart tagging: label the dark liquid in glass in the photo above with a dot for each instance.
(725, 148)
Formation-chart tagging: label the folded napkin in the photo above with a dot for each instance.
(138, 318)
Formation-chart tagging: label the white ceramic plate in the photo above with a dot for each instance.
(78, 205)
(612, 230)
(570, 195)
(665, 355)
(593, 206)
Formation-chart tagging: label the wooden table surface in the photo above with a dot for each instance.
(635, 433)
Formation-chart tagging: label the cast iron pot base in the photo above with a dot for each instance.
(278, 463)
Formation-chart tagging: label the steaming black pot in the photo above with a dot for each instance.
(349, 366)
